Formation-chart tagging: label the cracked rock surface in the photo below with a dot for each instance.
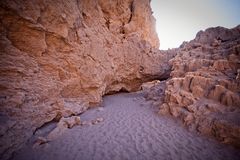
(58, 57)
(203, 88)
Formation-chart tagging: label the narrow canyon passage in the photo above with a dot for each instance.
(131, 130)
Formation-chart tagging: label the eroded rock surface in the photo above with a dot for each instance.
(62, 126)
(57, 57)
(204, 87)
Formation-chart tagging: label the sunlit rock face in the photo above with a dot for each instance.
(204, 86)
(57, 57)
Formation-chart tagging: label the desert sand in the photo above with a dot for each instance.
(131, 130)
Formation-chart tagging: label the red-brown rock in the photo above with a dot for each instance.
(58, 57)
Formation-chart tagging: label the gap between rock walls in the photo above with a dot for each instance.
(58, 59)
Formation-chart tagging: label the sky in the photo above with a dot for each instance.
(180, 20)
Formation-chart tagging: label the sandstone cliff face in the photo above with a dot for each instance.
(57, 57)
(204, 87)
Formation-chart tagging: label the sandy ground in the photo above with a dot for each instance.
(131, 130)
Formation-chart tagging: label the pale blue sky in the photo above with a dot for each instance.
(180, 20)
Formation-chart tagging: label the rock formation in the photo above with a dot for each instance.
(58, 57)
(203, 89)
(62, 126)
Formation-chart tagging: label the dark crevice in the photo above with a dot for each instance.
(107, 23)
(209, 91)
(52, 123)
(189, 85)
(131, 9)
(221, 97)
(165, 76)
(84, 15)
(162, 78)
(122, 90)
(122, 30)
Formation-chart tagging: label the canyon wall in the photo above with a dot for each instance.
(204, 85)
(59, 57)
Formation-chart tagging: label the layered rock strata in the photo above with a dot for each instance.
(204, 89)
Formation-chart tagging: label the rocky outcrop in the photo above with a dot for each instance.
(62, 126)
(58, 57)
(203, 90)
